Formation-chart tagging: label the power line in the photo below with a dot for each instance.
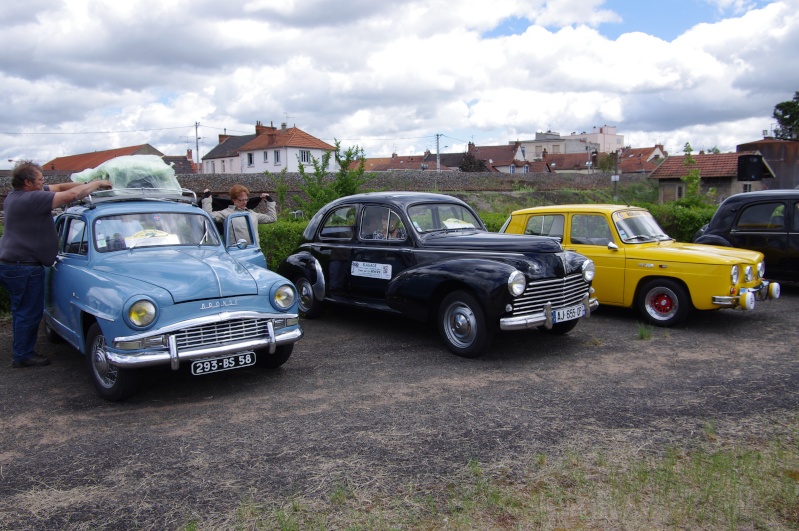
(99, 132)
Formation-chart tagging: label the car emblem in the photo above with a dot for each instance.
(219, 304)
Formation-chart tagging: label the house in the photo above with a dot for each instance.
(426, 162)
(782, 156)
(570, 162)
(269, 149)
(604, 138)
(552, 143)
(716, 170)
(507, 158)
(84, 161)
(183, 165)
(640, 160)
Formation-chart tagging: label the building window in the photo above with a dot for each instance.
(679, 191)
(213, 167)
(511, 169)
(526, 169)
(305, 156)
(277, 157)
(747, 187)
(250, 159)
(266, 156)
(223, 165)
(556, 148)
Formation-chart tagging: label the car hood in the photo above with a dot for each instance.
(673, 251)
(491, 241)
(186, 274)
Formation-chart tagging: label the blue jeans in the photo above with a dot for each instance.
(25, 287)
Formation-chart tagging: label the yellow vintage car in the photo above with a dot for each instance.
(639, 266)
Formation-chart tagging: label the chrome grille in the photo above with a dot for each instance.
(561, 292)
(221, 333)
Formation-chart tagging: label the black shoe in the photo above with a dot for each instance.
(33, 361)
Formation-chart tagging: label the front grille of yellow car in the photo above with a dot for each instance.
(561, 292)
(221, 333)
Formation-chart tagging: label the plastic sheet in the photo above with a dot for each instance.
(134, 171)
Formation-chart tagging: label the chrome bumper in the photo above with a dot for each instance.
(534, 320)
(148, 358)
(765, 291)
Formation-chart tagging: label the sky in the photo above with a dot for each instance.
(394, 76)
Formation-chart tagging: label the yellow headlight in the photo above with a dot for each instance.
(142, 313)
(284, 296)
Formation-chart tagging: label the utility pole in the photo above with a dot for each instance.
(197, 141)
(438, 153)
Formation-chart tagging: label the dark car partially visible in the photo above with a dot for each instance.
(766, 221)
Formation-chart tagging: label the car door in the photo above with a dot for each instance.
(591, 234)
(65, 279)
(240, 239)
(382, 251)
(763, 227)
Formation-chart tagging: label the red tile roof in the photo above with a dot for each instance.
(76, 163)
(708, 164)
(567, 161)
(273, 137)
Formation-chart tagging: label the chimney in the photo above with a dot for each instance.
(222, 138)
(260, 129)
(283, 127)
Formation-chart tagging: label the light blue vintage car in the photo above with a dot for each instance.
(144, 278)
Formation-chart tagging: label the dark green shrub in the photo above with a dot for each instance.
(279, 239)
(493, 220)
(680, 221)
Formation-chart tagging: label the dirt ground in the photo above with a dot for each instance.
(377, 402)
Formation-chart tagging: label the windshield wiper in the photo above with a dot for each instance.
(641, 237)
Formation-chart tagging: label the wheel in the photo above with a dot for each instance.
(663, 302)
(560, 329)
(273, 361)
(113, 383)
(462, 325)
(51, 335)
(308, 305)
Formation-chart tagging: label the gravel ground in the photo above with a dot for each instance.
(378, 403)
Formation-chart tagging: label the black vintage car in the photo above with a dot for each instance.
(429, 256)
(766, 221)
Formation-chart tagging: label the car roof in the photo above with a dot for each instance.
(552, 209)
(400, 199)
(762, 194)
(109, 204)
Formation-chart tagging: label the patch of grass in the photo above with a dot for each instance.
(710, 483)
(644, 331)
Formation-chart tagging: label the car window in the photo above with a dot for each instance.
(546, 225)
(381, 223)
(795, 217)
(114, 233)
(340, 224)
(637, 226)
(76, 241)
(762, 216)
(590, 229)
(442, 216)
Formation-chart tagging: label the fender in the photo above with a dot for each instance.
(305, 264)
(410, 292)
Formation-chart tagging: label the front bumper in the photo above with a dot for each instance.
(544, 318)
(173, 354)
(746, 300)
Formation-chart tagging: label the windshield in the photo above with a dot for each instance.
(442, 216)
(114, 233)
(638, 226)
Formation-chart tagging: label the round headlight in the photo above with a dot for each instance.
(589, 270)
(284, 296)
(748, 274)
(761, 269)
(516, 283)
(734, 274)
(142, 313)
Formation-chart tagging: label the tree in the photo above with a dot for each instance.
(606, 162)
(693, 181)
(318, 187)
(472, 164)
(787, 115)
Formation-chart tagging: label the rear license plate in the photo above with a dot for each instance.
(568, 314)
(222, 363)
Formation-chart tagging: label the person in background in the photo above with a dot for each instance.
(239, 194)
(30, 243)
